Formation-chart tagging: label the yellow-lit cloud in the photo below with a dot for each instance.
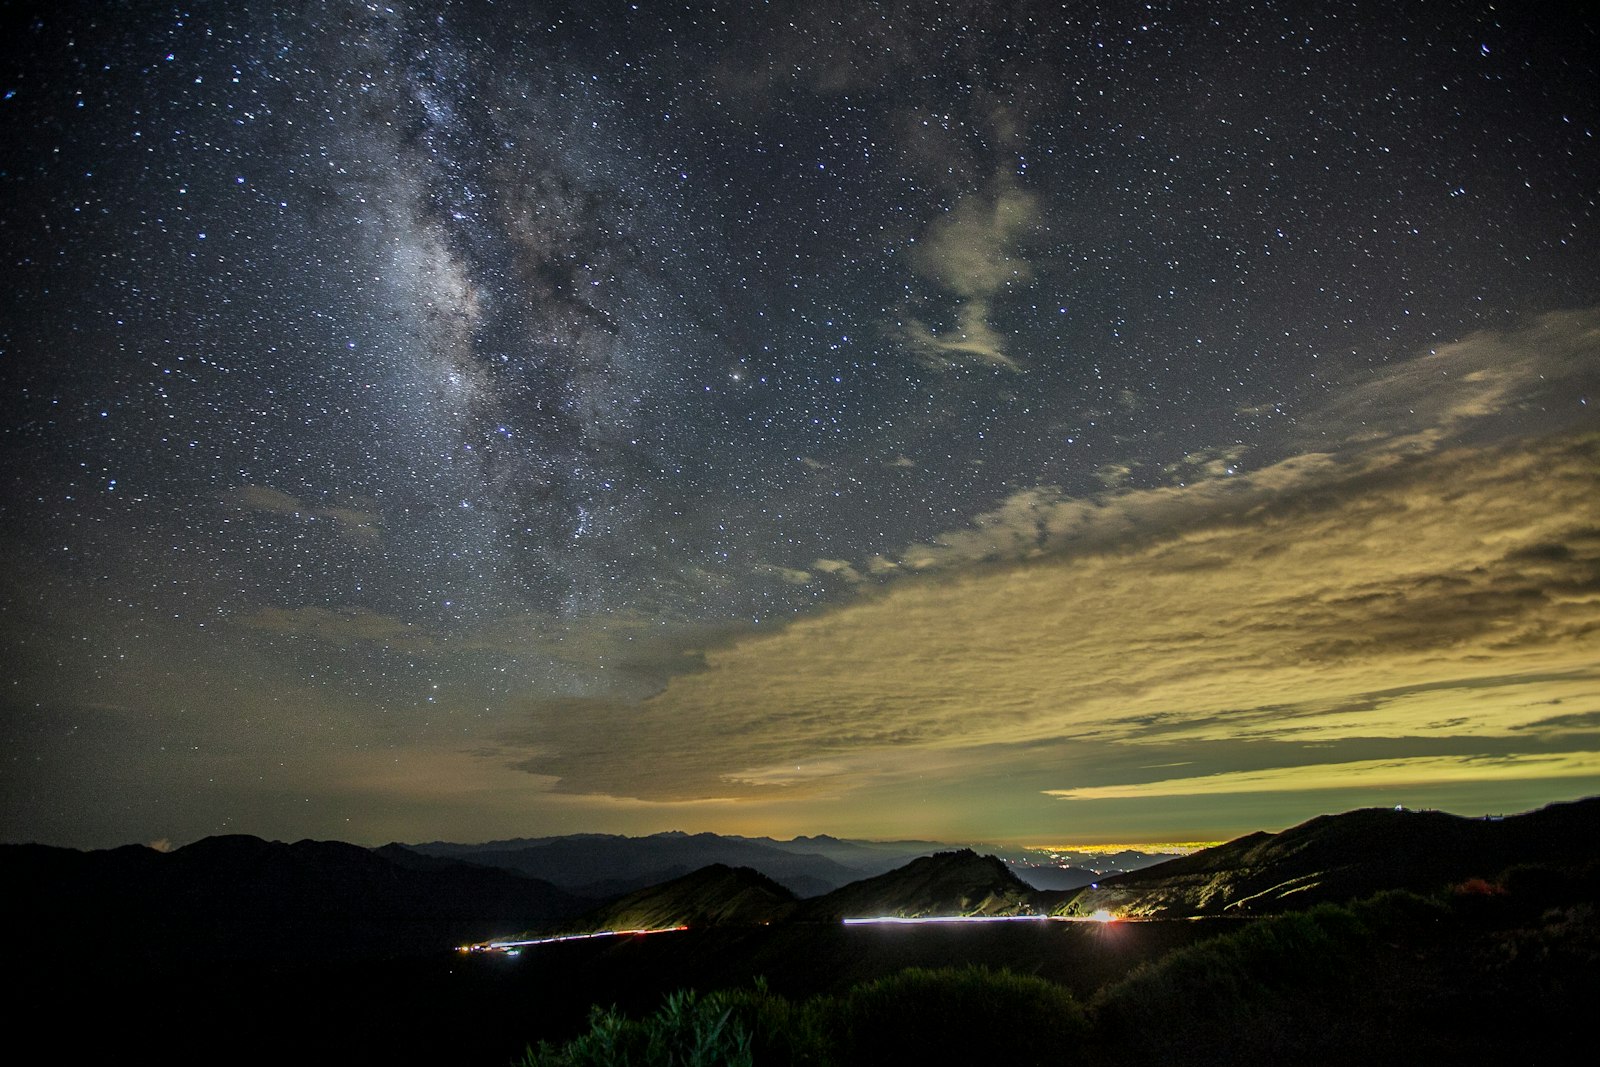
(839, 567)
(1372, 774)
(972, 252)
(1436, 586)
(973, 340)
(787, 575)
(342, 626)
(1453, 595)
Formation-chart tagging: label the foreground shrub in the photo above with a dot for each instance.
(783, 1033)
(685, 1032)
(966, 1016)
(1297, 987)
(970, 1015)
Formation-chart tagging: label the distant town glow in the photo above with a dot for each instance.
(1165, 848)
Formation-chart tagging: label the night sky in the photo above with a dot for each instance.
(996, 421)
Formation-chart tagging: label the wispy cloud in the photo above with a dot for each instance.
(355, 524)
(787, 575)
(1543, 374)
(342, 626)
(1489, 387)
(1415, 604)
(838, 567)
(1440, 585)
(971, 341)
(1377, 773)
(972, 252)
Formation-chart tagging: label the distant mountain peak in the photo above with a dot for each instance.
(718, 894)
(960, 882)
(1344, 856)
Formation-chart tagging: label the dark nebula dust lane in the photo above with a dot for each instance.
(466, 418)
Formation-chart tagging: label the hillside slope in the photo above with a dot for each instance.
(607, 864)
(1342, 857)
(948, 883)
(242, 898)
(714, 895)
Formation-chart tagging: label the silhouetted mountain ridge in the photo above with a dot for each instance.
(601, 865)
(714, 895)
(1349, 855)
(240, 897)
(946, 883)
(597, 864)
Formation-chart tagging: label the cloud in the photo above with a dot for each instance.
(810, 46)
(1492, 385)
(1017, 529)
(1333, 605)
(971, 249)
(838, 566)
(265, 498)
(972, 253)
(973, 340)
(829, 47)
(356, 525)
(1397, 602)
(1540, 374)
(629, 654)
(342, 626)
(787, 575)
(1403, 773)
(1215, 462)
(1114, 475)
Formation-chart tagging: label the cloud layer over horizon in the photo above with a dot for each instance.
(1403, 585)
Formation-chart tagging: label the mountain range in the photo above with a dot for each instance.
(266, 950)
(1331, 858)
(605, 865)
(239, 897)
(1342, 857)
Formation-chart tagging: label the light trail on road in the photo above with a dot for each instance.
(902, 920)
(513, 946)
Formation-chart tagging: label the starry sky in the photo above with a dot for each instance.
(1008, 421)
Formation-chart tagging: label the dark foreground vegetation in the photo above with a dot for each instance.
(1490, 972)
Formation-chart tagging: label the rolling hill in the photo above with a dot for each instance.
(605, 865)
(1346, 856)
(240, 897)
(598, 865)
(714, 895)
(947, 883)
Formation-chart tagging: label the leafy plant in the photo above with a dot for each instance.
(686, 1031)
